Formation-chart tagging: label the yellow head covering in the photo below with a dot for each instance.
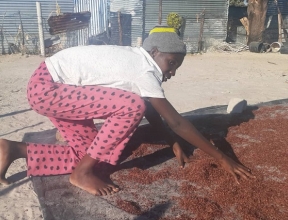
(158, 29)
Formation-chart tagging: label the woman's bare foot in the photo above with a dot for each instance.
(84, 177)
(10, 151)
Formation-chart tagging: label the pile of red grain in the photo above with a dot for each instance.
(208, 192)
(129, 206)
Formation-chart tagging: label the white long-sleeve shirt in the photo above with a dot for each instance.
(128, 68)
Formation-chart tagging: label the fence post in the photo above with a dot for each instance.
(40, 29)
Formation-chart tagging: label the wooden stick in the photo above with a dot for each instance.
(22, 32)
(120, 29)
(279, 23)
(200, 45)
(160, 13)
(245, 23)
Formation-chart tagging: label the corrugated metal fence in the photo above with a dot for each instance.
(98, 21)
(132, 20)
(11, 37)
(138, 18)
(272, 20)
(215, 23)
(10, 22)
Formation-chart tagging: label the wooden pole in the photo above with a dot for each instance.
(22, 34)
(2, 34)
(120, 29)
(200, 43)
(160, 13)
(245, 23)
(279, 29)
(279, 23)
(40, 29)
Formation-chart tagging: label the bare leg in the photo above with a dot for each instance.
(84, 177)
(10, 151)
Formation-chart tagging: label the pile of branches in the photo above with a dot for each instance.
(227, 47)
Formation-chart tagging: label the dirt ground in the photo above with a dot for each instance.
(210, 79)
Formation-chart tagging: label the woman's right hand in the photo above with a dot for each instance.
(188, 132)
(237, 170)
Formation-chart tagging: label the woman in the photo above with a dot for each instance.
(118, 84)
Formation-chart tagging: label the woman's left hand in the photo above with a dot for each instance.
(180, 155)
(237, 170)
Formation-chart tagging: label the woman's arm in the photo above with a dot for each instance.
(188, 132)
(155, 120)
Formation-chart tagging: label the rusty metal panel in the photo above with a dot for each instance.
(132, 12)
(68, 22)
(10, 22)
(98, 21)
(215, 23)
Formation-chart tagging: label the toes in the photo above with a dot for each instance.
(4, 182)
(106, 191)
(98, 193)
(114, 188)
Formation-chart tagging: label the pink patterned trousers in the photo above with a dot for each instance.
(72, 110)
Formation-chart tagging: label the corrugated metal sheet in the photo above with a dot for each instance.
(121, 34)
(134, 8)
(99, 18)
(271, 33)
(215, 25)
(272, 7)
(10, 21)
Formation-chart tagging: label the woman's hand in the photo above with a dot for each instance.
(237, 170)
(186, 130)
(180, 155)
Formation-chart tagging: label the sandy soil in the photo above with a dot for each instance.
(203, 80)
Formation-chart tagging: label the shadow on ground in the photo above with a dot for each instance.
(59, 200)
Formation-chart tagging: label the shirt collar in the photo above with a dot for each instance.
(150, 59)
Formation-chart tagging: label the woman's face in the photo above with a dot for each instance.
(168, 62)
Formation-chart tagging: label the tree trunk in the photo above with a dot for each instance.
(256, 15)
